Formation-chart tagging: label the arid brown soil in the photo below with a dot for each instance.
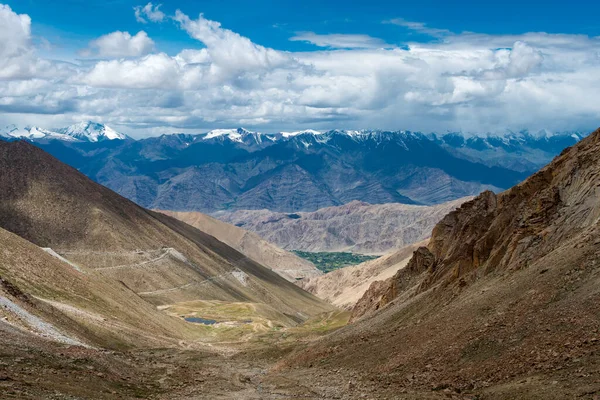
(160, 259)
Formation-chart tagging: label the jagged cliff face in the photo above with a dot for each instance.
(509, 231)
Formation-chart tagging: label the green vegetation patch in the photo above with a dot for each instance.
(330, 261)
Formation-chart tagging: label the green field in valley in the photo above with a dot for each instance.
(330, 261)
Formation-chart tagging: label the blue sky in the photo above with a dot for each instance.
(272, 23)
(270, 65)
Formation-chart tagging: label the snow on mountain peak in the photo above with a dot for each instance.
(32, 133)
(233, 134)
(8, 131)
(89, 131)
(306, 131)
(81, 132)
(92, 132)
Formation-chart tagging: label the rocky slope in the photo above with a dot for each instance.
(99, 234)
(509, 230)
(286, 264)
(344, 287)
(502, 303)
(356, 227)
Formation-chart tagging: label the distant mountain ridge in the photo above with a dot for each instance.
(82, 132)
(356, 227)
(240, 134)
(238, 169)
(507, 150)
(94, 131)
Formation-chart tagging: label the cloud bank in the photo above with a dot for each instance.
(467, 81)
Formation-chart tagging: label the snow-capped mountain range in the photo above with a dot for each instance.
(89, 131)
(465, 143)
(242, 135)
(82, 132)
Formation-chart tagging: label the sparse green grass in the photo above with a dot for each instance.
(330, 261)
(312, 329)
(220, 311)
(266, 328)
(241, 320)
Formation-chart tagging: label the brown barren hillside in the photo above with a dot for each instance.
(503, 303)
(162, 260)
(76, 303)
(286, 264)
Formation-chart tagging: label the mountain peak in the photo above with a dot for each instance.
(90, 131)
(235, 134)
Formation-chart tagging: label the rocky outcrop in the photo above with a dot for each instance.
(494, 233)
(373, 299)
(381, 293)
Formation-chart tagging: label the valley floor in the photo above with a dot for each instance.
(31, 367)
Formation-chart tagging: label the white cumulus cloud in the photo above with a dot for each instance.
(16, 52)
(231, 54)
(149, 12)
(150, 72)
(121, 44)
(469, 81)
